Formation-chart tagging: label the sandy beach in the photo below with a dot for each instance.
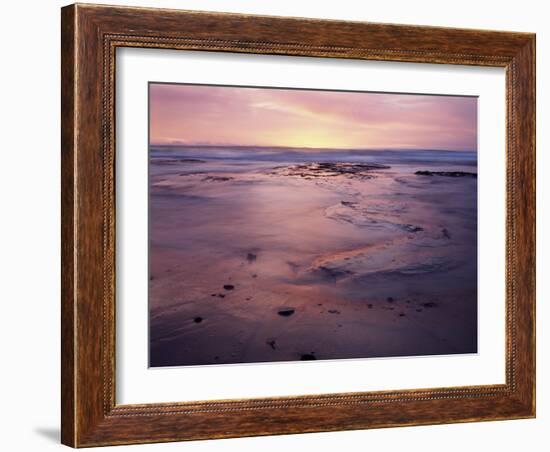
(278, 254)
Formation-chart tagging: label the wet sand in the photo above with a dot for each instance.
(302, 257)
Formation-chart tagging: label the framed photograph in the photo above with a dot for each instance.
(282, 225)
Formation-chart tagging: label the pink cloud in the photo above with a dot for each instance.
(307, 118)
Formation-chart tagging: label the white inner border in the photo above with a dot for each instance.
(136, 383)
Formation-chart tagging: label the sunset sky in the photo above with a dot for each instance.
(216, 115)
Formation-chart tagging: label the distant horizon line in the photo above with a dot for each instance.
(190, 145)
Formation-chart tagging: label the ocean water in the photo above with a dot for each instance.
(297, 155)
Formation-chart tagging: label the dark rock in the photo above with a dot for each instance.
(228, 286)
(411, 228)
(390, 300)
(308, 357)
(348, 203)
(197, 319)
(445, 233)
(429, 304)
(446, 173)
(330, 169)
(271, 343)
(333, 311)
(286, 312)
(369, 306)
(401, 314)
(217, 178)
(221, 295)
(251, 257)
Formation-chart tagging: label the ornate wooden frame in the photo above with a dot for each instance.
(90, 35)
